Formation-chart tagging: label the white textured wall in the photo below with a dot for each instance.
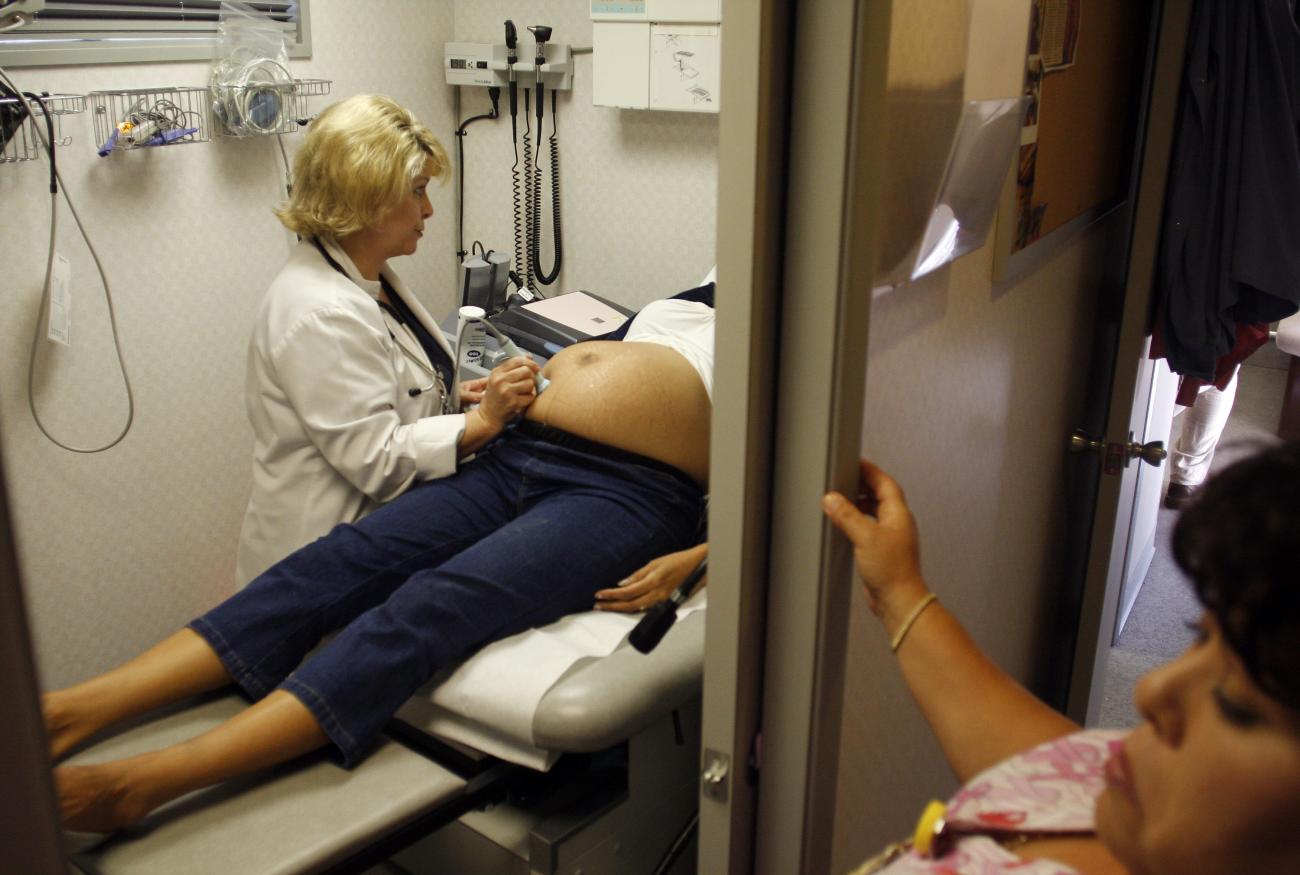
(638, 189)
(121, 548)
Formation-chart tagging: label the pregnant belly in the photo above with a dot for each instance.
(639, 397)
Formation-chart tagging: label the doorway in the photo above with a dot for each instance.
(1156, 629)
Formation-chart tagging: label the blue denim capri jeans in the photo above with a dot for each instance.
(520, 536)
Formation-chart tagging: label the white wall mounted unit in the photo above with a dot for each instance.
(484, 64)
(657, 54)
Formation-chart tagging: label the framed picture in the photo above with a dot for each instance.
(1082, 84)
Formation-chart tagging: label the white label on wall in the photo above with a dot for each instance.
(685, 67)
(60, 323)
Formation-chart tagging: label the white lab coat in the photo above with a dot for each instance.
(327, 390)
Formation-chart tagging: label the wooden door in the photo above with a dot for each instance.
(1116, 488)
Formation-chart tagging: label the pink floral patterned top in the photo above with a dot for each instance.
(1051, 789)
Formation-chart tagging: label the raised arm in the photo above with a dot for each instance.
(980, 714)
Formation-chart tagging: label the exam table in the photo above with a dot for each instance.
(617, 735)
(594, 768)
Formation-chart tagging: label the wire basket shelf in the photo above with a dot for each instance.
(265, 107)
(140, 118)
(21, 140)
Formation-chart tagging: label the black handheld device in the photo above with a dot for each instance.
(659, 619)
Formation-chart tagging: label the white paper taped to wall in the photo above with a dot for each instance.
(685, 69)
(59, 325)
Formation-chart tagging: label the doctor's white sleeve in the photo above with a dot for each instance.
(336, 373)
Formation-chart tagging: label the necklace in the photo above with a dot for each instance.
(932, 839)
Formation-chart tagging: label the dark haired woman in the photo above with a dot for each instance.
(1208, 784)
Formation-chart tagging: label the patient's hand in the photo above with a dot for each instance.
(653, 582)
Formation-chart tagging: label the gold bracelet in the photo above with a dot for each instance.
(911, 618)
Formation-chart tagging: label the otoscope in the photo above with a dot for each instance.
(541, 33)
(659, 619)
(512, 56)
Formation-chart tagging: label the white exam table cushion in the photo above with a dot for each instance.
(296, 818)
(494, 701)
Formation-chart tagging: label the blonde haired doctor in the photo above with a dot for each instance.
(350, 384)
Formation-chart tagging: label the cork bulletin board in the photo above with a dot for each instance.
(1083, 75)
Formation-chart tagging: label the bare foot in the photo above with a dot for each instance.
(97, 798)
(181, 666)
(64, 727)
(59, 725)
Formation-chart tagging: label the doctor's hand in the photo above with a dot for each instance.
(471, 391)
(885, 545)
(509, 390)
(652, 582)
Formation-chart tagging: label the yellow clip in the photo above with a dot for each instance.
(928, 828)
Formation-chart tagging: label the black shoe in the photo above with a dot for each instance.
(1180, 495)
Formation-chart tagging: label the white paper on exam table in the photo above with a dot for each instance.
(488, 701)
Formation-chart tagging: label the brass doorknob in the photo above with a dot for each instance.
(1153, 453)
(1080, 442)
(1118, 455)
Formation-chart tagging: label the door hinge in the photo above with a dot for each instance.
(715, 777)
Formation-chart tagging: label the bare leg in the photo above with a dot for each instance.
(107, 796)
(183, 665)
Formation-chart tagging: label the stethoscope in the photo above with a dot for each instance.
(436, 379)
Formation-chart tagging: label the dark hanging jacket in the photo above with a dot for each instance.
(1230, 242)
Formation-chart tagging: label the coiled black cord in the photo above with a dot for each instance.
(517, 205)
(544, 276)
(534, 183)
(530, 203)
